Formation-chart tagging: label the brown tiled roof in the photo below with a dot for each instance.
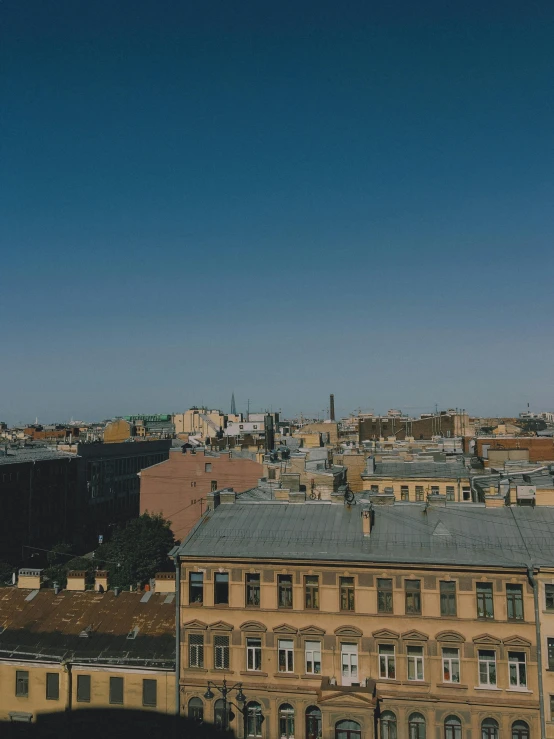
(49, 626)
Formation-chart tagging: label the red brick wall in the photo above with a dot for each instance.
(174, 488)
(540, 449)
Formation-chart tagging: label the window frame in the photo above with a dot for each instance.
(196, 649)
(196, 586)
(412, 593)
(549, 596)
(82, 682)
(116, 681)
(386, 660)
(514, 597)
(252, 590)
(285, 586)
(253, 654)
(415, 661)
(313, 651)
(347, 594)
(221, 588)
(222, 652)
(487, 662)
(484, 597)
(286, 717)
(311, 592)
(448, 599)
(148, 681)
(520, 666)
(449, 661)
(285, 653)
(387, 593)
(22, 683)
(56, 691)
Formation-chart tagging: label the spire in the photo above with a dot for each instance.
(233, 405)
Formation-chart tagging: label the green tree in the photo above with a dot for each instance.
(136, 552)
(6, 572)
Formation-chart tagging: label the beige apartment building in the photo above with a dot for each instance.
(200, 422)
(348, 622)
(413, 480)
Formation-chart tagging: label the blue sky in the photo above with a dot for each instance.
(281, 199)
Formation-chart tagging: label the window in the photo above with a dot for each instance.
(348, 730)
(374, 488)
(213, 486)
(384, 595)
(413, 596)
(116, 690)
(196, 710)
(550, 646)
(489, 729)
(349, 664)
(416, 726)
(450, 665)
(286, 655)
(435, 490)
(552, 707)
(452, 728)
(208, 467)
(253, 654)
(514, 602)
(221, 588)
(487, 667)
(52, 686)
(404, 492)
(387, 662)
(150, 693)
(312, 651)
(311, 588)
(286, 721)
(196, 650)
(221, 652)
(83, 688)
(284, 591)
(520, 730)
(388, 725)
(485, 606)
(219, 714)
(22, 683)
(448, 598)
(466, 493)
(196, 588)
(517, 669)
(419, 493)
(347, 593)
(254, 719)
(415, 663)
(313, 722)
(549, 597)
(252, 589)
(271, 473)
(450, 492)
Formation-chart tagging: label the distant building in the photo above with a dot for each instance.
(445, 423)
(536, 448)
(200, 422)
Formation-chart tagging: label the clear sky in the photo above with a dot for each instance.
(284, 199)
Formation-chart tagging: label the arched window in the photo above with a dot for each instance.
(219, 714)
(520, 730)
(313, 722)
(388, 725)
(196, 710)
(489, 729)
(416, 726)
(348, 730)
(452, 728)
(286, 721)
(254, 719)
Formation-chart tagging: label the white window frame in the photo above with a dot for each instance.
(488, 662)
(220, 650)
(253, 654)
(312, 656)
(196, 652)
(384, 663)
(286, 646)
(448, 661)
(517, 663)
(349, 659)
(415, 662)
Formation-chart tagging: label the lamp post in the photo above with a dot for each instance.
(224, 690)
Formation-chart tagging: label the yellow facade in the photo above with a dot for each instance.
(416, 489)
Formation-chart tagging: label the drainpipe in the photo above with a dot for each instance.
(535, 585)
(177, 634)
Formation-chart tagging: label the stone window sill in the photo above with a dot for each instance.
(196, 669)
(417, 683)
(389, 681)
(311, 677)
(254, 673)
(518, 690)
(286, 675)
(452, 685)
(488, 687)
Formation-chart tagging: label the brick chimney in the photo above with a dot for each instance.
(76, 580)
(367, 516)
(164, 582)
(227, 495)
(29, 579)
(101, 579)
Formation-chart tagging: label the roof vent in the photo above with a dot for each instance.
(133, 633)
(85, 633)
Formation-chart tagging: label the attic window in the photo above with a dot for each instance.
(85, 633)
(133, 633)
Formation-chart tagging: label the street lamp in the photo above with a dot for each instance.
(224, 690)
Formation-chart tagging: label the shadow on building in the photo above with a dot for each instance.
(109, 723)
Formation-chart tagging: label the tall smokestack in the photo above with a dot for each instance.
(332, 407)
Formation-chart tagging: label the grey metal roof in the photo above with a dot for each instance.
(429, 468)
(29, 454)
(457, 534)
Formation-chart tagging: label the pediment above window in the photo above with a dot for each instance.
(486, 639)
(311, 631)
(516, 641)
(450, 636)
(285, 629)
(414, 635)
(385, 634)
(253, 626)
(195, 625)
(348, 631)
(221, 626)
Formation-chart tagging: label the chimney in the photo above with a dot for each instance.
(29, 579)
(297, 496)
(367, 520)
(164, 582)
(76, 580)
(332, 407)
(101, 581)
(227, 495)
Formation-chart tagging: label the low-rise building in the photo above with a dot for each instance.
(346, 621)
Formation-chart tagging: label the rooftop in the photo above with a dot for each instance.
(425, 468)
(461, 534)
(20, 455)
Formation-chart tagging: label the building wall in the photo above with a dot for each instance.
(456, 424)
(367, 629)
(118, 431)
(540, 449)
(355, 465)
(416, 487)
(312, 431)
(36, 701)
(178, 487)
(546, 577)
(191, 422)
